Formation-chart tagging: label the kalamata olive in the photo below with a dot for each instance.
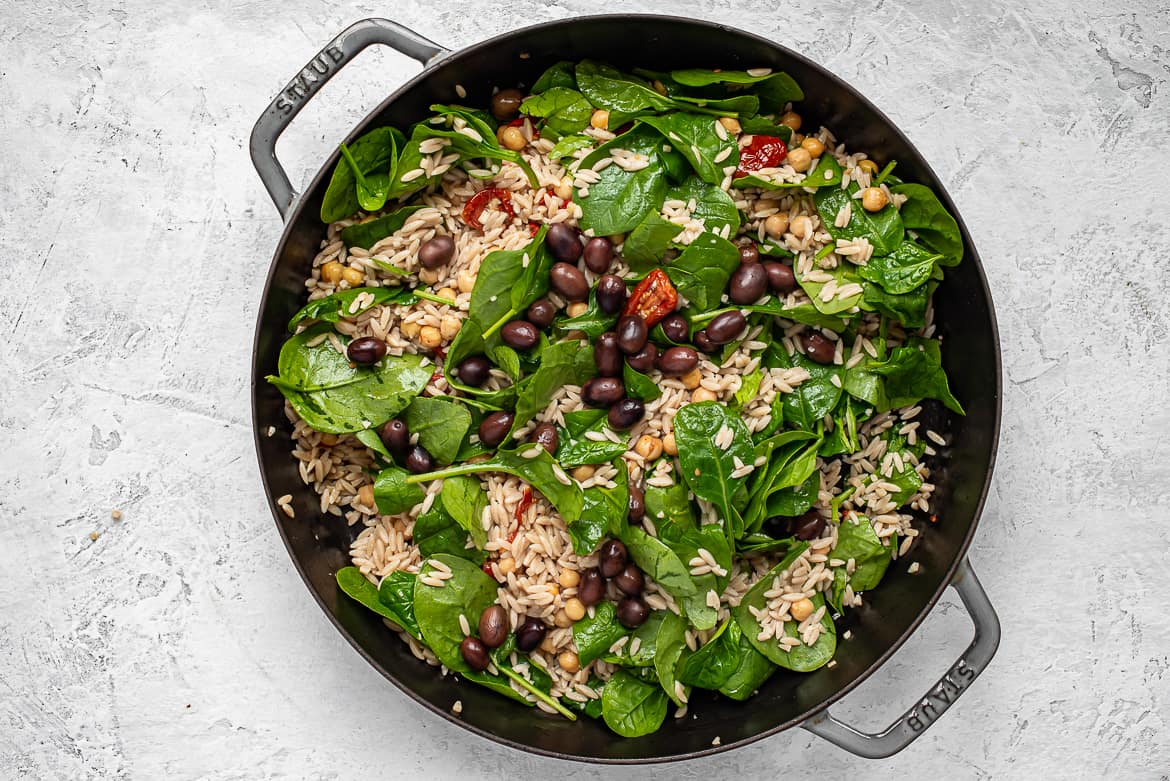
(591, 587)
(474, 653)
(494, 428)
(530, 633)
(632, 612)
(564, 242)
(630, 580)
(541, 313)
(602, 391)
(703, 342)
(676, 328)
(366, 350)
(612, 558)
(644, 359)
(568, 280)
(808, 526)
(436, 252)
(749, 252)
(817, 347)
(749, 282)
(395, 437)
(418, 460)
(546, 436)
(607, 355)
(780, 277)
(598, 254)
(677, 361)
(506, 103)
(637, 503)
(631, 334)
(493, 626)
(611, 294)
(474, 370)
(725, 327)
(519, 334)
(625, 413)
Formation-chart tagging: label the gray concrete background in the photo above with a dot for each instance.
(134, 238)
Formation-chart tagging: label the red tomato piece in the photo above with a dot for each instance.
(475, 207)
(761, 152)
(653, 299)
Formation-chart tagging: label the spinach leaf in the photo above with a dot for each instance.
(567, 145)
(337, 305)
(367, 234)
(435, 532)
(844, 274)
(591, 707)
(915, 372)
(707, 467)
(701, 272)
(669, 646)
(632, 707)
(393, 494)
(694, 136)
(593, 635)
(882, 228)
(924, 214)
(617, 202)
(373, 154)
(750, 388)
(468, 592)
(909, 309)
(397, 593)
(441, 426)
(826, 174)
(775, 90)
(355, 585)
(789, 460)
(795, 500)
(608, 88)
(814, 398)
(713, 663)
(576, 448)
(909, 266)
(638, 385)
(604, 512)
(754, 668)
(801, 313)
(712, 205)
(763, 543)
(563, 110)
(871, 558)
(560, 364)
(649, 241)
(669, 509)
(592, 322)
(465, 501)
(556, 75)
(657, 560)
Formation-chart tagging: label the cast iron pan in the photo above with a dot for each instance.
(965, 318)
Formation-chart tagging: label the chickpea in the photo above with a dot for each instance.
(813, 146)
(801, 227)
(465, 281)
(659, 87)
(791, 119)
(569, 578)
(801, 609)
(331, 272)
(691, 379)
(600, 119)
(648, 447)
(355, 277)
(869, 166)
(409, 330)
(553, 589)
(703, 394)
(328, 440)
(574, 608)
(873, 199)
(561, 619)
(428, 276)
(617, 239)
(446, 292)
(366, 496)
(799, 159)
(564, 188)
(731, 125)
(449, 327)
(430, 337)
(547, 644)
(669, 446)
(512, 138)
(576, 308)
(583, 473)
(795, 140)
(776, 224)
(569, 662)
(507, 566)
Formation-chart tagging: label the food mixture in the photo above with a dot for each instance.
(626, 381)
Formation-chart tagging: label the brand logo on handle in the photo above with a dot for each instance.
(311, 77)
(941, 697)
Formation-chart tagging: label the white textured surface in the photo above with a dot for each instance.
(134, 239)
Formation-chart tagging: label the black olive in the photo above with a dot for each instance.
(817, 347)
(591, 588)
(568, 280)
(676, 328)
(611, 294)
(494, 428)
(637, 503)
(530, 634)
(436, 252)
(474, 653)
(546, 436)
(474, 370)
(396, 438)
(506, 103)
(564, 242)
(749, 282)
(631, 333)
(612, 557)
(625, 413)
(541, 313)
(520, 334)
(677, 361)
(749, 252)
(780, 277)
(630, 580)
(598, 254)
(607, 356)
(493, 626)
(808, 526)
(602, 391)
(366, 350)
(703, 342)
(632, 612)
(725, 327)
(418, 460)
(644, 359)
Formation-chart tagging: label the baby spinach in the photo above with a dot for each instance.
(646, 637)
(740, 105)
(468, 592)
(871, 558)
(617, 202)
(560, 364)
(669, 645)
(562, 111)
(762, 126)
(393, 494)
(789, 460)
(567, 145)
(912, 373)
(604, 512)
(814, 398)
(754, 668)
(358, 588)
(707, 467)
(608, 88)
(631, 707)
(669, 508)
(712, 205)
(656, 559)
(464, 500)
(649, 241)
(593, 635)
(397, 593)
(801, 313)
(337, 305)
(435, 532)
(592, 322)
(794, 500)
(373, 154)
(559, 74)
(713, 663)
(775, 90)
(367, 234)
(908, 267)
(924, 214)
(909, 309)
(576, 448)
(694, 136)
(441, 426)
(638, 385)
(701, 272)
(844, 274)
(749, 388)
(882, 228)
(825, 175)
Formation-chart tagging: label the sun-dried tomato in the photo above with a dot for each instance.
(479, 202)
(487, 569)
(521, 508)
(761, 152)
(533, 228)
(653, 299)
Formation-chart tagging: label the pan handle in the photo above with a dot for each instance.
(331, 59)
(941, 696)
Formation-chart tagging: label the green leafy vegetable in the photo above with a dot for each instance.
(619, 199)
(393, 494)
(557, 75)
(924, 214)
(712, 205)
(562, 111)
(604, 512)
(871, 558)
(909, 266)
(638, 385)
(440, 424)
(593, 635)
(656, 559)
(701, 272)
(754, 668)
(631, 707)
(468, 592)
(576, 448)
(694, 136)
(435, 532)
(367, 234)
(714, 662)
(465, 501)
(374, 155)
(707, 467)
(882, 228)
(567, 145)
(649, 241)
(337, 305)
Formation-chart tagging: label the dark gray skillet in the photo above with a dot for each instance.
(965, 317)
